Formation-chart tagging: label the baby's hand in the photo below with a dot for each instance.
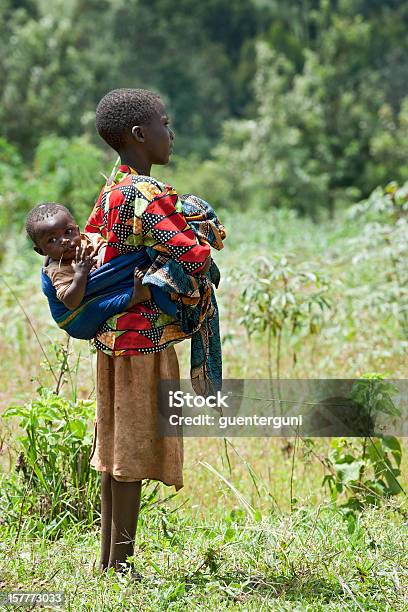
(83, 262)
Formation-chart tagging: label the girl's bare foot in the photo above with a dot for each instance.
(141, 293)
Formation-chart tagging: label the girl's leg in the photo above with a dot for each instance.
(125, 512)
(106, 519)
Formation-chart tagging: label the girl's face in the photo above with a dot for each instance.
(58, 237)
(159, 137)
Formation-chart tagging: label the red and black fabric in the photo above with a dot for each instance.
(132, 212)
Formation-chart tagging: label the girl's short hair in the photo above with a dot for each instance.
(121, 109)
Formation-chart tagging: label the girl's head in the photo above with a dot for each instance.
(53, 230)
(131, 120)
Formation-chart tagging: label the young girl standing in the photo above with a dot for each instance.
(134, 348)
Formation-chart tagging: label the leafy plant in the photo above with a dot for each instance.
(366, 469)
(278, 297)
(54, 486)
(384, 238)
(385, 204)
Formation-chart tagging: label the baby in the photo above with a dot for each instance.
(70, 254)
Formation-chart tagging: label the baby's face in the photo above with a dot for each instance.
(58, 237)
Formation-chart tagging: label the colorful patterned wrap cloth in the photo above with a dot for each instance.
(197, 310)
(188, 299)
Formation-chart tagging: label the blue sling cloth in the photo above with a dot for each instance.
(189, 300)
(108, 292)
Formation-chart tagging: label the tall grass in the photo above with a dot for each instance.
(253, 527)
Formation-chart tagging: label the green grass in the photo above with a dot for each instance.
(201, 549)
(303, 561)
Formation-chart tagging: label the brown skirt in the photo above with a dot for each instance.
(126, 443)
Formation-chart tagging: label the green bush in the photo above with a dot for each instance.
(54, 486)
(365, 471)
(67, 171)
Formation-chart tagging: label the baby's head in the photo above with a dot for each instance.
(53, 230)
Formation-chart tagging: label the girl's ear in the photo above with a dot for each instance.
(138, 133)
(38, 250)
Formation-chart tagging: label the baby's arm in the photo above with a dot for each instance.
(141, 293)
(82, 265)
